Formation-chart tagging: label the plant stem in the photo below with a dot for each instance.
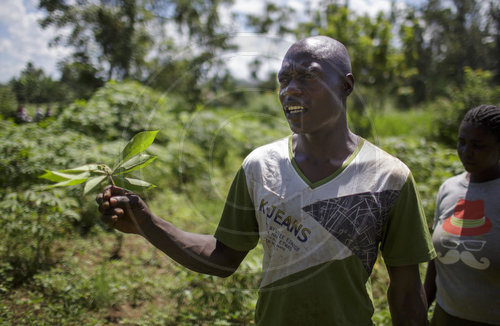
(111, 180)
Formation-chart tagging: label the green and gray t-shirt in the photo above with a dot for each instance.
(321, 239)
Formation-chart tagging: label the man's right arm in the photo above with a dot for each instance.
(127, 212)
(199, 252)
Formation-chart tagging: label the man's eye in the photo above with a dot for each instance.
(282, 80)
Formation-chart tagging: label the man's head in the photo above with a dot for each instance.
(315, 80)
(326, 49)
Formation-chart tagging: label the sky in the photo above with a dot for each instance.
(23, 40)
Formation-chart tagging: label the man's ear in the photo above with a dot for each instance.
(348, 84)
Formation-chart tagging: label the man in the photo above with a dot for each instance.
(321, 201)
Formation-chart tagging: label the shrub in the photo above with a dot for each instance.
(477, 89)
(431, 164)
(31, 222)
(119, 111)
(8, 102)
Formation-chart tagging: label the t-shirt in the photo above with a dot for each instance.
(467, 240)
(321, 239)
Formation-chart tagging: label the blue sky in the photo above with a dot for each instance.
(23, 40)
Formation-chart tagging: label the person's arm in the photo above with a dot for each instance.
(406, 296)
(430, 283)
(202, 253)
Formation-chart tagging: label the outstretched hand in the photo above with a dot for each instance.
(123, 210)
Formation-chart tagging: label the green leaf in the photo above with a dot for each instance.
(134, 163)
(137, 144)
(92, 183)
(57, 176)
(53, 176)
(99, 168)
(133, 184)
(68, 183)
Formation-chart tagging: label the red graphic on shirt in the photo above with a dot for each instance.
(468, 219)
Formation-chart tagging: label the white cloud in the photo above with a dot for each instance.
(22, 40)
(267, 48)
(370, 7)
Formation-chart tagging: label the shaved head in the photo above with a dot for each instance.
(326, 49)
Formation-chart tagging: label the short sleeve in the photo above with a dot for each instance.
(437, 211)
(406, 239)
(238, 228)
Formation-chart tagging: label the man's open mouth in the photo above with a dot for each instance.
(295, 109)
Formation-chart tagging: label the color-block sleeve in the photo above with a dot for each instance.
(406, 239)
(238, 228)
(437, 211)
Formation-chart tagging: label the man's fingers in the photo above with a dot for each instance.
(117, 191)
(120, 201)
(109, 219)
(99, 199)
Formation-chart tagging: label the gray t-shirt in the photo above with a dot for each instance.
(467, 241)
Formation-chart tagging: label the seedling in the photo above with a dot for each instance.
(93, 175)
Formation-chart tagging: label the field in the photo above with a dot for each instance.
(61, 266)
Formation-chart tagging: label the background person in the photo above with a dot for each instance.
(322, 201)
(465, 277)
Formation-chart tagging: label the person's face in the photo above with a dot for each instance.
(479, 151)
(310, 93)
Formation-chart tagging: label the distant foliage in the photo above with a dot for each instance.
(118, 111)
(8, 102)
(477, 89)
(431, 164)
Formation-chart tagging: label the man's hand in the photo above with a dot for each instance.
(123, 210)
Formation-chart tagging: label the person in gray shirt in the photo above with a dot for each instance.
(465, 277)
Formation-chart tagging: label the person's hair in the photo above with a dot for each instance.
(486, 115)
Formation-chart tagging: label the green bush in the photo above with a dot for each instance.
(431, 164)
(477, 89)
(119, 111)
(31, 221)
(8, 102)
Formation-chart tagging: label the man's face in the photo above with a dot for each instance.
(479, 151)
(310, 92)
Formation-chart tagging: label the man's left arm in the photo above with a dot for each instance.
(406, 296)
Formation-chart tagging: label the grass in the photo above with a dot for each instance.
(144, 287)
(394, 123)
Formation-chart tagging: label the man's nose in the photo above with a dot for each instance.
(293, 88)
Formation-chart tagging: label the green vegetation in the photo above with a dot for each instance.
(60, 265)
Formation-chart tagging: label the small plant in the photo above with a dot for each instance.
(132, 158)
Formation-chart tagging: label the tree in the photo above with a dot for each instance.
(80, 78)
(113, 39)
(112, 33)
(33, 86)
(459, 34)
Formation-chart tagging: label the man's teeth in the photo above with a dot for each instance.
(295, 108)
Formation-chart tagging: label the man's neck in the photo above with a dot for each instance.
(318, 156)
(333, 145)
